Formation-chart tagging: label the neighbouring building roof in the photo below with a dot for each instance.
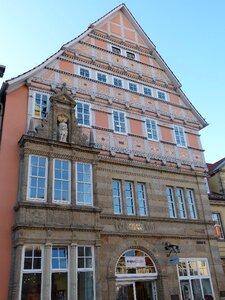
(214, 168)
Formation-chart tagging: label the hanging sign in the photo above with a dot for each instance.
(173, 260)
(135, 261)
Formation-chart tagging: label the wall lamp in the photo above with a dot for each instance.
(172, 248)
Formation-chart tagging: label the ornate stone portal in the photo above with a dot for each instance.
(61, 124)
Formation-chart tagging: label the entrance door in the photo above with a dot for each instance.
(139, 290)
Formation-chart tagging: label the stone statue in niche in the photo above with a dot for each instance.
(62, 128)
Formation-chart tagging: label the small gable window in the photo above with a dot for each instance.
(179, 136)
(116, 50)
(117, 82)
(101, 77)
(130, 55)
(83, 113)
(147, 91)
(84, 72)
(41, 105)
(161, 95)
(132, 87)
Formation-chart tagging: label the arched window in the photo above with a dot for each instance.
(135, 263)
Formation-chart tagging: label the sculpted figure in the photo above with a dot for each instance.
(63, 131)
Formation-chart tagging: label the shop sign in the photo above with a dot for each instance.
(135, 261)
(173, 260)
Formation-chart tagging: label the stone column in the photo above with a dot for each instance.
(73, 183)
(14, 291)
(46, 292)
(73, 273)
(98, 279)
(50, 178)
(24, 192)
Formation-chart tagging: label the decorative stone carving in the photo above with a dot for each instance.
(63, 128)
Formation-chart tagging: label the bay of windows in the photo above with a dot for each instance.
(59, 273)
(194, 278)
(179, 202)
(61, 193)
(83, 113)
(125, 192)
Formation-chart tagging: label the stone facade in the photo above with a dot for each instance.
(141, 191)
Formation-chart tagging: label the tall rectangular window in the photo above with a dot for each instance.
(179, 136)
(37, 179)
(117, 82)
(84, 184)
(151, 129)
(119, 121)
(181, 203)
(61, 181)
(129, 192)
(41, 105)
(59, 273)
(83, 113)
(132, 87)
(218, 227)
(191, 204)
(84, 72)
(171, 202)
(31, 273)
(85, 273)
(117, 199)
(102, 77)
(142, 199)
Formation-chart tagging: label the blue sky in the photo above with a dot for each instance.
(189, 35)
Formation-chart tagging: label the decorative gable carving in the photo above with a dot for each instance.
(61, 124)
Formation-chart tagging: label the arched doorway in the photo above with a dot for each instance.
(136, 276)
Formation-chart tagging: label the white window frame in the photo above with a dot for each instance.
(90, 114)
(119, 126)
(101, 73)
(120, 197)
(85, 68)
(132, 198)
(191, 204)
(61, 270)
(179, 144)
(189, 277)
(121, 50)
(117, 78)
(149, 88)
(86, 269)
(29, 179)
(31, 271)
(133, 83)
(34, 101)
(151, 130)
(157, 95)
(144, 199)
(91, 183)
(171, 203)
(69, 182)
(130, 52)
(181, 203)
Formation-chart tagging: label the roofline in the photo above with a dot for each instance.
(19, 80)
